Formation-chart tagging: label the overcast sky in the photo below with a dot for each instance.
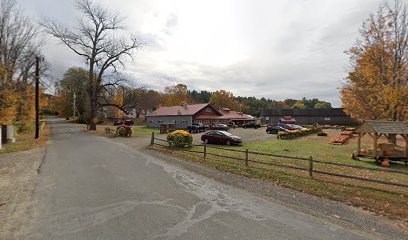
(263, 48)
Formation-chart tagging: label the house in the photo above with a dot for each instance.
(236, 117)
(329, 116)
(184, 115)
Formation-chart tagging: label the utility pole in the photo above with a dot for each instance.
(37, 97)
(74, 105)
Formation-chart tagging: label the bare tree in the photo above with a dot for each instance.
(95, 39)
(18, 43)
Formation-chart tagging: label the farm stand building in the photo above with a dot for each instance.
(185, 115)
(328, 116)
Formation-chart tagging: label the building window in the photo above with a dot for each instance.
(184, 122)
(267, 118)
(160, 121)
(150, 121)
(327, 119)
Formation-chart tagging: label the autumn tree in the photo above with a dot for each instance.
(224, 99)
(176, 95)
(377, 88)
(19, 46)
(322, 105)
(298, 105)
(99, 39)
(73, 81)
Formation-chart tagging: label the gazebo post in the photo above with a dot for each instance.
(375, 144)
(359, 143)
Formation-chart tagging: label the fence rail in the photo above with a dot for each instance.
(310, 160)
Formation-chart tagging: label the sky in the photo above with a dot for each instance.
(263, 48)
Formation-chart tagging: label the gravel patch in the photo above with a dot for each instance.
(18, 178)
(339, 213)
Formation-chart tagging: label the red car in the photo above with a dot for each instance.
(221, 137)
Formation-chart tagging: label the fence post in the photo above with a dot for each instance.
(311, 166)
(205, 150)
(246, 157)
(152, 140)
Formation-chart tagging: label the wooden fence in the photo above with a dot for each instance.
(311, 162)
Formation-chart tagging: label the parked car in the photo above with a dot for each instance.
(274, 129)
(221, 137)
(118, 122)
(251, 125)
(293, 127)
(221, 127)
(195, 128)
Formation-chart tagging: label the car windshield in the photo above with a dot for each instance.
(226, 133)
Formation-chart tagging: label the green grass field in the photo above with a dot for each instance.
(386, 200)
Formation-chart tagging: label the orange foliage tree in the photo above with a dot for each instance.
(224, 99)
(377, 86)
(176, 95)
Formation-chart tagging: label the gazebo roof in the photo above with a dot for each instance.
(385, 127)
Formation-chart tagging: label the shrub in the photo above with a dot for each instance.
(180, 138)
(124, 131)
(322, 134)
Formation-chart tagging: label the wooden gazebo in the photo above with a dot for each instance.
(376, 129)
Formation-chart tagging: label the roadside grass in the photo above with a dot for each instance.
(26, 141)
(138, 131)
(382, 199)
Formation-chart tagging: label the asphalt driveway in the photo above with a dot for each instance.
(93, 188)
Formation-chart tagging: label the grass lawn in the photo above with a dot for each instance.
(138, 131)
(26, 141)
(384, 200)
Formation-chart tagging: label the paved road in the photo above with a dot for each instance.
(93, 188)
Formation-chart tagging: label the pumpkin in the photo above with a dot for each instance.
(388, 153)
(385, 163)
(364, 151)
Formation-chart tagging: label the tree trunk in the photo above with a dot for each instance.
(92, 113)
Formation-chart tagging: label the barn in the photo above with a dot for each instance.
(329, 116)
(184, 115)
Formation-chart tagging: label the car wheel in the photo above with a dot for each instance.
(228, 142)
(206, 141)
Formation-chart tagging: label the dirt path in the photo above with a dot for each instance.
(18, 177)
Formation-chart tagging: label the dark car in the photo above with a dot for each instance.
(221, 127)
(118, 122)
(195, 128)
(274, 129)
(129, 122)
(221, 137)
(293, 127)
(251, 125)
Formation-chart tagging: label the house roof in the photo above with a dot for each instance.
(304, 112)
(180, 110)
(386, 127)
(233, 115)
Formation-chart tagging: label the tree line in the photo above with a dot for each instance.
(143, 101)
(376, 86)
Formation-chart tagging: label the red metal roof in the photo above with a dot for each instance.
(186, 110)
(190, 110)
(233, 115)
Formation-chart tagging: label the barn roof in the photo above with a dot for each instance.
(304, 112)
(386, 127)
(180, 110)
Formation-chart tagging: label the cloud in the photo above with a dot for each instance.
(262, 48)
